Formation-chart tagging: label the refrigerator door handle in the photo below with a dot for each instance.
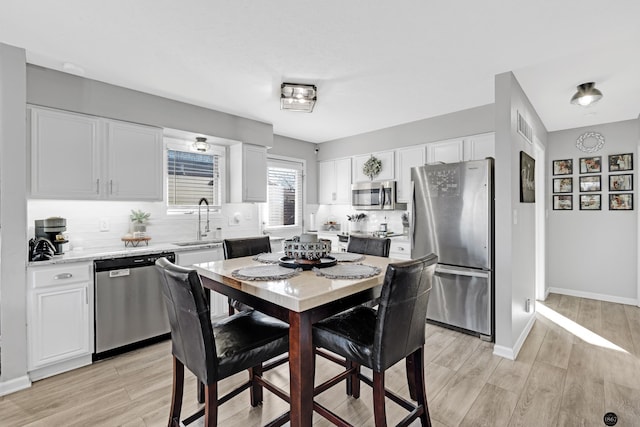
(469, 273)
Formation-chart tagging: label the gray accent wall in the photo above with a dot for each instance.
(594, 253)
(13, 219)
(461, 123)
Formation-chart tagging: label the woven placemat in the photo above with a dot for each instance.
(264, 272)
(347, 256)
(348, 271)
(269, 257)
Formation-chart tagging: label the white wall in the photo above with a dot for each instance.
(515, 235)
(593, 254)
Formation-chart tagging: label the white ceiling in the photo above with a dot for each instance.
(376, 63)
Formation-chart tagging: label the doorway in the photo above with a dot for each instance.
(540, 220)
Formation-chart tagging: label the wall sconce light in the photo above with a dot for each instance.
(586, 95)
(201, 144)
(297, 97)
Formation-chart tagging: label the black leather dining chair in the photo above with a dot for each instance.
(377, 246)
(380, 338)
(236, 248)
(216, 351)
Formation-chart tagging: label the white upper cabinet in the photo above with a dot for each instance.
(134, 161)
(386, 173)
(248, 173)
(334, 182)
(65, 155)
(449, 151)
(479, 147)
(407, 158)
(75, 156)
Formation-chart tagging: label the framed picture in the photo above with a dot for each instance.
(563, 167)
(621, 202)
(591, 164)
(527, 178)
(590, 202)
(590, 183)
(562, 203)
(562, 185)
(621, 162)
(622, 182)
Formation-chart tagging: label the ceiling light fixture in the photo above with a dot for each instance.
(586, 95)
(297, 97)
(201, 144)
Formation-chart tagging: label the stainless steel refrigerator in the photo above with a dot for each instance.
(452, 216)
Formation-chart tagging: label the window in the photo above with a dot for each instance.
(192, 176)
(284, 193)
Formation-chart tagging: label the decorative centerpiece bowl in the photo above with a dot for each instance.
(306, 248)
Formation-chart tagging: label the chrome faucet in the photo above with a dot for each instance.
(206, 228)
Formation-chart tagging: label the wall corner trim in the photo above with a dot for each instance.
(512, 352)
(16, 384)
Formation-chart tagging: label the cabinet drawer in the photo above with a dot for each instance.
(400, 250)
(59, 275)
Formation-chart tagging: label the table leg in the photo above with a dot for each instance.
(301, 369)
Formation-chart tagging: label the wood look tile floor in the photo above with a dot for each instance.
(581, 360)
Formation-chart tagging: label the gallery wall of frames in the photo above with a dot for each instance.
(593, 181)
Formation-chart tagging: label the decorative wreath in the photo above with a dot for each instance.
(592, 148)
(372, 167)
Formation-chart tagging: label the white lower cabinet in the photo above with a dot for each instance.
(400, 249)
(60, 318)
(218, 304)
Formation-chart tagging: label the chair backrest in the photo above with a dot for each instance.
(236, 248)
(192, 338)
(402, 310)
(377, 246)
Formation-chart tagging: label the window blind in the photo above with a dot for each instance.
(192, 176)
(284, 193)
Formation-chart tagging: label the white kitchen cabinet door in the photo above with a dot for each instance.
(479, 147)
(134, 162)
(65, 155)
(387, 172)
(407, 158)
(449, 151)
(59, 325)
(248, 173)
(334, 182)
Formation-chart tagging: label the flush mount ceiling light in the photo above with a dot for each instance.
(586, 95)
(297, 97)
(201, 144)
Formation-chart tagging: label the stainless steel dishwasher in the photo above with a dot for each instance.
(129, 307)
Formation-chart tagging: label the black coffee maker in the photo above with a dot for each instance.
(52, 229)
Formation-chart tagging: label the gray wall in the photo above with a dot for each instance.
(13, 218)
(594, 253)
(514, 243)
(461, 123)
(55, 89)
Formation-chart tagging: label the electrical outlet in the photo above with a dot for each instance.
(104, 224)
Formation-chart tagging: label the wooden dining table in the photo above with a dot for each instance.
(300, 301)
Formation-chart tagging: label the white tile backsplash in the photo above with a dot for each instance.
(339, 214)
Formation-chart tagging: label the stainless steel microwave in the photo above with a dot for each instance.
(376, 195)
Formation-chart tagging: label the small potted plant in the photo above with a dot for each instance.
(139, 220)
(405, 222)
(355, 222)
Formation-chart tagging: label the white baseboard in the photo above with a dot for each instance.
(512, 352)
(11, 386)
(594, 296)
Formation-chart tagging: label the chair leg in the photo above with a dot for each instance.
(177, 392)
(211, 405)
(417, 360)
(353, 382)
(256, 389)
(378, 399)
(410, 378)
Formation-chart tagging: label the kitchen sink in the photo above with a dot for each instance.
(197, 243)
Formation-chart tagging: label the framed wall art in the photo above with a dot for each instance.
(591, 164)
(621, 162)
(563, 167)
(590, 202)
(622, 182)
(562, 185)
(621, 202)
(527, 178)
(562, 203)
(590, 183)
